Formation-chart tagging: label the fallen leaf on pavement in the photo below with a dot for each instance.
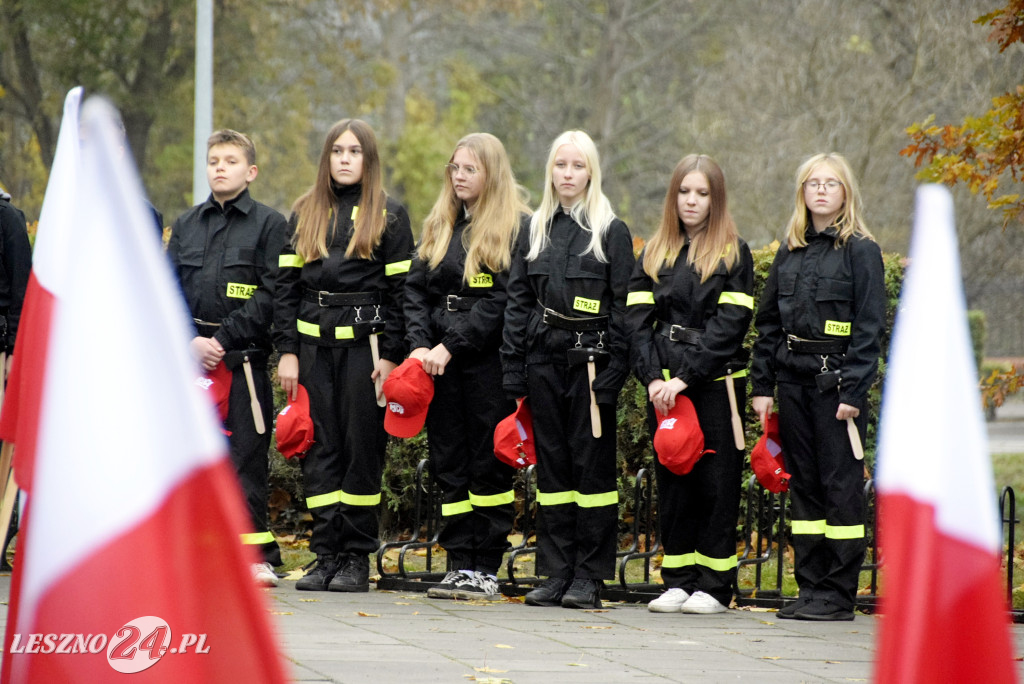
(362, 614)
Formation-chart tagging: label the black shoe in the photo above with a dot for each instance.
(788, 612)
(354, 573)
(823, 610)
(549, 593)
(319, 577)
(446, 588)
(584, 593)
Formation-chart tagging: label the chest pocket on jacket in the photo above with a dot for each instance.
(834, 300)
(587, 280)
(191, 259)
(239, 272)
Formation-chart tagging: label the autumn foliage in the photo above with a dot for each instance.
(987, 151)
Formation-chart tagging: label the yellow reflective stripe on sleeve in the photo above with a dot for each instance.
(257, 538)
(738, 298)
(597, 500)
(808, 527)
(719, 564)
(456, 508)
(355, 212)
(397, 267)
(639, 298)
(311, 329)
(323, 499)
(290, 261)
(555, 498)
(665, 374)
(359, 499)
(240, 290)
(844, 531)
(344, 332)
(679, 560)
(738, 374)
(502, 499)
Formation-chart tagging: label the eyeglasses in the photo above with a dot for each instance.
(830, 186)
(453, 169)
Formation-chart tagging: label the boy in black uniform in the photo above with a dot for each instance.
(15, 265)
(225, 253)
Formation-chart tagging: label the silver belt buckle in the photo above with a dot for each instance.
(320, 297)
(448, 302)
(672, 332)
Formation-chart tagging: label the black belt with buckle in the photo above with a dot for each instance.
(805, 346)
(574, 323)
(206, 328)
(456, 303)
(678, 333)
(341, 298)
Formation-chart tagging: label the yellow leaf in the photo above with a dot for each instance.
(309, 600)
(362, 614)
(597, 627)
(577, 665)
(503, 646)
(402, 603)
(277, 612)
(770, 657)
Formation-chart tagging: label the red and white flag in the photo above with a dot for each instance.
(129, 559)
(945, 616)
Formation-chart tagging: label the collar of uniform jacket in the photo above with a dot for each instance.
(242, 202)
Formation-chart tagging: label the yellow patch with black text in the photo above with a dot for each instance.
(587, 305)
(837, 328)
(240, 290)
(482, 280)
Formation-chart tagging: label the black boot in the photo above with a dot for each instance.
(584, 593)
(319, 577)
(353, 573)
(549, 593)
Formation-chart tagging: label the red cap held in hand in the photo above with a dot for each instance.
(408, 391)
(216, 384)
(295, 426)
(766, 458)
(679, 441)
(513, 438)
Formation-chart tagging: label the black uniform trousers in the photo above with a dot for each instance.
(826, 490)
(250, 453)
(479, 501)
(577, 490)
(342, 469)
(698, 511)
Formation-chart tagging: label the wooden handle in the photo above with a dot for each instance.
(378, 384)
(858, 450)
(6, 458)
(7, 504)
(254, 403)
(737, 424)
(595, 414)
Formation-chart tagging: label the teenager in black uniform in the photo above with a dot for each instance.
(454, 309)
(819, 326)
(339, 295)
(225, 252)
(689, 305)
(567, 304)
(15, 266)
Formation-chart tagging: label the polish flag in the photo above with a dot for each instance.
(130, 537)
(945, 616)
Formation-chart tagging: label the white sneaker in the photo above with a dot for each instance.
(480, 586)
(263, 574)
(703, 604)
(669, 602)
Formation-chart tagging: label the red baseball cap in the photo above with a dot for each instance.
(679, 441)
(766, 458)
(216, 384)
(295, 426)
(513, 438)
(408, 391)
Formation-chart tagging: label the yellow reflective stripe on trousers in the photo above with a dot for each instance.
(340, 496)
(397, 267)
(502, 499)
(290, 261)
(719, 564)
(257, 538)
(555, 498)
(597, 500)
(456, 508)
(679, 560)
(639, 298)
(844, 531)
(737, 298)
(311, 329)
(344, 332)
(808, 527)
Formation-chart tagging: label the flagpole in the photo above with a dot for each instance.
(203, 97)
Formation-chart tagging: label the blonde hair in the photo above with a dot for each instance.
(226, 136)
(494, 223)
(593, 212)
(315, 208)
(717, 242)
(847, 223)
